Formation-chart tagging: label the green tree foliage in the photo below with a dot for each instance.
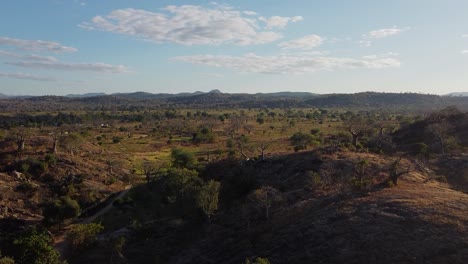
(207, 198)
(181, 158)
(7, 260)
(35, 247)
(60, 209)
(81, 236)
(266, 198)
(301, 140)
(396, 171)
(258, 260)
(181, 184)
(203, 136)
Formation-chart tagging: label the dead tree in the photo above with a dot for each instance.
(264, 146)
(55, 139)
(20, 139)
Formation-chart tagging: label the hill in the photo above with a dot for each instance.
(463, 94)
(215, 99)
(316, 220)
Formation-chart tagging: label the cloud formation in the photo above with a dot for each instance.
(36, 45)
(464, 52)
(305, 43)
(192, 25)
(32, 57)
(290, 64)
(383, 33)
(379, 34)
(93, 67)
(278, 21)
(24, 76)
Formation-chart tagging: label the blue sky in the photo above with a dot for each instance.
(57, 47)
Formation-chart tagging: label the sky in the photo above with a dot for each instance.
(59, 47)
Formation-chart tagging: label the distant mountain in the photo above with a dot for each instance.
(290, 94)
(85, 95)
(146, 95)
(3, 95)
(462, 94)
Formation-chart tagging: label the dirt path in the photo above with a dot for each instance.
(59, 239)
(104, 210)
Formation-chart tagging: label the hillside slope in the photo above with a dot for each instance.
(418, 221)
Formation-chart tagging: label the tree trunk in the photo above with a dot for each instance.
(54, 147)
(355, 140)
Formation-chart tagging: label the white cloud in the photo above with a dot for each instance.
(278, 21)
(36, 45)
(304, 43)
(24, 76)
(290, 64)
(379, 34)
(464, 52)
(383, 33)
(249, 13)
(32, 57)
(365, 43)
(465, 36)
(93, 67)
(192, 25)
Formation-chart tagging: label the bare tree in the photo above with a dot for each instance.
(150, 169)
(55, 139)
(264, 146)
(20, 138)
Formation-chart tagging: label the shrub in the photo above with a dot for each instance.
(258, 260)
(35, 247)
(81, 236)
(60, 209)
(181, 158)
(7, 260)
(300, 140)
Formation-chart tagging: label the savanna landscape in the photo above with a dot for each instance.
(233, 132)
(124, 179)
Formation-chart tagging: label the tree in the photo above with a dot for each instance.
(396, 172)
(35, 247)
(265, 198)
(258, 260)
(440, 131)
(71, 143)
(20, 139)
(150, 169)
(181, 158)
(207, 198)
(300, 140)
(81, 236)
(264, 146)
(7, 260)
(60, 209)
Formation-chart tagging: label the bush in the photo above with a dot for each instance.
(7, 260)
(181, 158)
(300, 140)
(81, 236)
(258, 260)
(58, 210)
(35, 247)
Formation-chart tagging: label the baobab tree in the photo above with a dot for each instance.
(396, 172)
